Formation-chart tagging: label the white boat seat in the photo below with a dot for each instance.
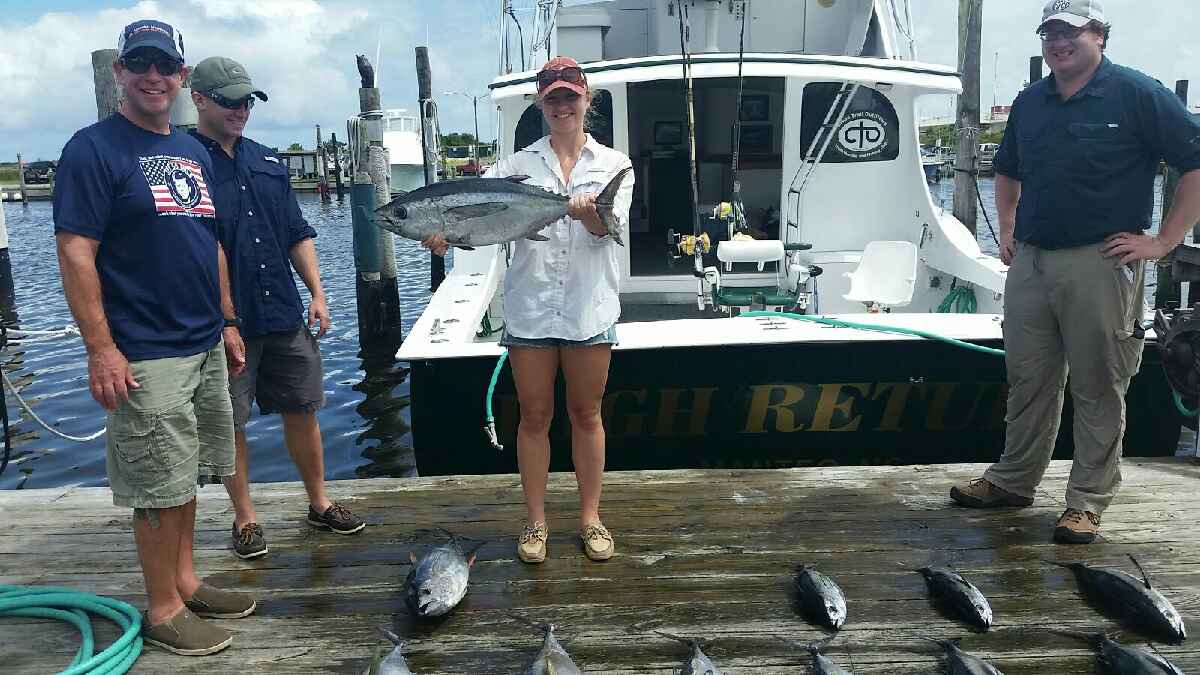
(886, 275)
(759, 251)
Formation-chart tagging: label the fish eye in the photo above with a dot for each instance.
(400, 212)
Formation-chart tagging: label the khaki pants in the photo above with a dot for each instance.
(1068, 310)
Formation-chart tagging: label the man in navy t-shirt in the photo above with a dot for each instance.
(137, 247)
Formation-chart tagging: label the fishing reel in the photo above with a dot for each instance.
(1178, 333)
(685, 245)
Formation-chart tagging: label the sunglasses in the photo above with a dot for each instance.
(1065, 34)
(571, 74)
(230, 103)
(140, 65)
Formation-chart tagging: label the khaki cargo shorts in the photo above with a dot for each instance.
(175, 430)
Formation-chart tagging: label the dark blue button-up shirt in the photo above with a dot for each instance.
(258, 222)
(1087, 165)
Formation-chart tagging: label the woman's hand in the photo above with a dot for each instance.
(436, 244)
(583, 209)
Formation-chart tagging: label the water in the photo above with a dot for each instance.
(365, 424)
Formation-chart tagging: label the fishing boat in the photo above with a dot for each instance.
(835, 314)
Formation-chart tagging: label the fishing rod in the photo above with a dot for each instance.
(698, 250)
(739, 210)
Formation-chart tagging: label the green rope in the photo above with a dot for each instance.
(838, 323)
(1183, 410)
(72, 606)
(960, 299)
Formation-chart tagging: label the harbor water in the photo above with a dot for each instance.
(365, 422)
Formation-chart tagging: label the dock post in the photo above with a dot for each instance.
(1169, 291)
(324, 167)
(21, 178)
(379, 329)
(1035, 69)
(970, 29)
(437, 264)
(337, 166)
(108, 95)
(7, 293)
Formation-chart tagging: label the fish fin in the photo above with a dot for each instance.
(1145, 579)
(464, 247)
(412, 557)
(537, 237)
(517, 178)
(480, 210)
(604, 205)
(392, 637)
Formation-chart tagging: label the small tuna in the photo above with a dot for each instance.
(1129, 599)
(482, 211)
(438, 581)
(821, 664)
(1118, 659)
(962, 663)
(958, 596)
(820, 599)
(552, 659)
(392, 664)
(697, 662)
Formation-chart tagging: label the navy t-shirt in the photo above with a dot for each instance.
(145, 198)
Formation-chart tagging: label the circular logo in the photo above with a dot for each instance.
(183, 188)
(861, 135)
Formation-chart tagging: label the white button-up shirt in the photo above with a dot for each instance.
(567, 286)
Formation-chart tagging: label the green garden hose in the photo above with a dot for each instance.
(73, 606)
(839, 323)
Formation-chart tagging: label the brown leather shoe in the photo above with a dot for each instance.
(1077, 527)
(218, 604)
(531, 547)
(980, 494)
(597, 542)
(186, 634)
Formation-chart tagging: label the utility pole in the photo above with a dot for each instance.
(970, 31)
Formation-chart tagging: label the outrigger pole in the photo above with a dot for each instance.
(698, 250)
(739, 211)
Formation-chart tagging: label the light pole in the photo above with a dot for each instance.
(475, 110)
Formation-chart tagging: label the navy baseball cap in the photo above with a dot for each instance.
(151, 33)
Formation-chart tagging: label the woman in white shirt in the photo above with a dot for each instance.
(561, 304)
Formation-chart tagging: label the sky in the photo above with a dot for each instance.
(301, 52)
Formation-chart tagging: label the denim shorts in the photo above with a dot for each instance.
(175, 430)
(608, 337)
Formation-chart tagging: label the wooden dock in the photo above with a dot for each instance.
(701, 553)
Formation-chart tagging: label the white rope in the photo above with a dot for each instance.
(39, 420)
(70, 329)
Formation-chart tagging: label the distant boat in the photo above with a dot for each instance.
(402, 138)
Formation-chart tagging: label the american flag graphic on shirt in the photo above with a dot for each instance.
(178, 187)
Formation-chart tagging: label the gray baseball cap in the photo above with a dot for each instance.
(225, 77)
(1074, 12)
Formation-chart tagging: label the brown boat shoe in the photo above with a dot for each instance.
(1077, 527)
(531, 547)
(597, 542)
(215, 603)
(981, 494)
(186, 634)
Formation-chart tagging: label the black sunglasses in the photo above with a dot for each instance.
(246, 102)
(570, 74)
(140, 65)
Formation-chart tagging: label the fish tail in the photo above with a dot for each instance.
(604, 205)
(685, 640)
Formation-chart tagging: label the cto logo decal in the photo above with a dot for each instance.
(1061, 5)
(862, 135)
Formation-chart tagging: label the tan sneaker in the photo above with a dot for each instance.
(980, 494)
(531, 547)
(218, 604)
(186, 634)
(597, 542)
(1077, 527)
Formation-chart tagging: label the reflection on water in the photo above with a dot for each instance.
(365, 422)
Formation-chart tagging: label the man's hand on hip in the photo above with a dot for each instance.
(109, 377)
(235, 350)
(318, 313)
(1131, 246)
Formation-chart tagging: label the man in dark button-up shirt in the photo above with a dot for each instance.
(1074, 190)
(264, 235)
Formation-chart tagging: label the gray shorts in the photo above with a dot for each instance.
(283, 374)
(608, 337)
(174, 430)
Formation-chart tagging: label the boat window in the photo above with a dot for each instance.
(532, 125)
(869, 131)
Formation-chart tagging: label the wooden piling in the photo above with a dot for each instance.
(108, 94)
(337, 166)
(324, 167)
(21, 178)
(437, 264)
(379, 330)
(1035, 69)
(970, 29)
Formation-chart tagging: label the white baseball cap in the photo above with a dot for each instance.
(1077, 13)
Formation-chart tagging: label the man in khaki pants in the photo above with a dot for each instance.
(1074, 179)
